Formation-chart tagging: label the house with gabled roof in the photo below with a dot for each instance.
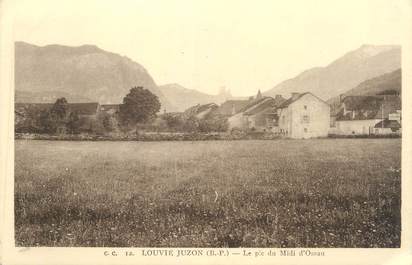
(199, 111)
(85, 110)
(258, 114)
(231, 107)
(304, 115)
(110, 109)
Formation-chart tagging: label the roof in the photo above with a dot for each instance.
(361, 103)
(81, 108)
(258, 105)
(261, 105)
(390, 104)
(388, 124)
(30, 105)
(204, 107)
(369, 107)
(289, 101)
(359, 115)
(197, 109)
(108, 107)
(252, 103)
(84, 108)
(230, 107)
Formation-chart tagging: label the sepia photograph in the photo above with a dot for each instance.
(207, 124)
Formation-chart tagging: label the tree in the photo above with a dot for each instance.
(191, 124)
(173, 122)
(59, 109)
(73, 123)
(51, 119)
(213, 122)
(28, 120)
(108, 121)
(139, 106)
(47, 124)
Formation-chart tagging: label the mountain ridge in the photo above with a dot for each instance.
(343, 73)
(183, 97)
(84, 70)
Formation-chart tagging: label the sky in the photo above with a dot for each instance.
(206, 45)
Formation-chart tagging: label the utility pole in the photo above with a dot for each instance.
(382, 113)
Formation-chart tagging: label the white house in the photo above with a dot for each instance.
(304, 116)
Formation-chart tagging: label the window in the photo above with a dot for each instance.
(305, 107)
(305, 119)
(305, 130)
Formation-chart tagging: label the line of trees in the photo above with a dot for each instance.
(138, 112)
(212, 122)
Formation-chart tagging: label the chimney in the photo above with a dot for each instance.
(295, 95)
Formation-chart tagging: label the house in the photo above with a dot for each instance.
(88, 114)
(110, 109)
(199, 111)
(387, 126)
(258, 115)
(360, 115)
(304, 116)
(85, 110)
(231, 107)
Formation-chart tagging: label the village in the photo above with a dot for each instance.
(301, 116)
(263, 131)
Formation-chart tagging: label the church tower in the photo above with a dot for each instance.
(259, 95)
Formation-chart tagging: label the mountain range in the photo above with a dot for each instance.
(344, 73)
(183, 98)
(389, 83)
(88, 73)
(79, 73)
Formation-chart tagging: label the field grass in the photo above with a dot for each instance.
(286, 193)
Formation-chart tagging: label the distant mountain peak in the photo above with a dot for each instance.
(344, 73)
(84, 70)
(183, 98)
(174, 86)
(368, 50)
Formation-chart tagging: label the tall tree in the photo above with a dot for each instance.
(54, 117)
(139, 106)
(59, 109)
(73, 123)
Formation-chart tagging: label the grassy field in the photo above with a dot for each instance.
(286, 193)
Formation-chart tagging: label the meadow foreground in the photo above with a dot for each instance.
(286, 193)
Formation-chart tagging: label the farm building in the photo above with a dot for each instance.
(365, 115)
(110, 109)
(304, 116)
(199, 111)
(258, 115)
(231, 107)
(85, 110)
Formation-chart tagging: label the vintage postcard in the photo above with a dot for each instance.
(205, 132)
